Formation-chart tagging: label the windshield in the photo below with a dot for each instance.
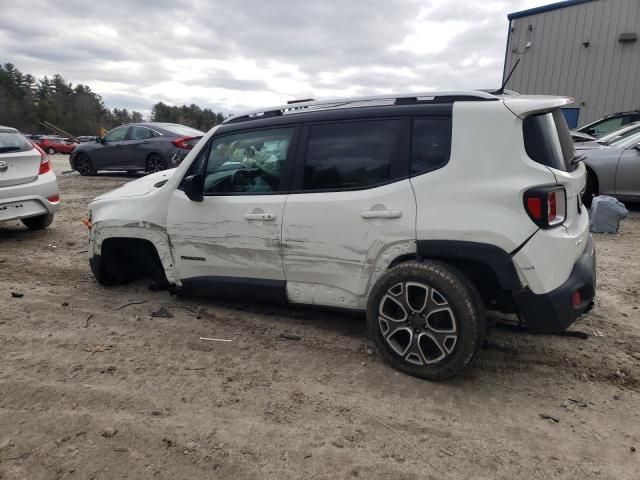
(13, 142)
(547, 140)
(182, 130)
(627, 142)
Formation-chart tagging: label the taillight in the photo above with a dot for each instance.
(547, 206)
(185, 142)
(45, 166)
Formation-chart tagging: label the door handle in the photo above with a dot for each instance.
(381, 214)
(260, 216)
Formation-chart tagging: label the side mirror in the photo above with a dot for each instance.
(99, 140)
(193, 187)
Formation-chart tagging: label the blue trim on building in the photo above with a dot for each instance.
(546, 8)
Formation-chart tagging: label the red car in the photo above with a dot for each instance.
(56, 145)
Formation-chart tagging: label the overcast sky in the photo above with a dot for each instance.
(236, 55)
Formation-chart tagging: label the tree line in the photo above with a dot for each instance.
(25, 101)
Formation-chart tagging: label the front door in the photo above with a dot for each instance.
(111, 155)
(233, 237)
(353, 203)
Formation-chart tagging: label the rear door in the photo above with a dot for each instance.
(351, 199)
(19, 159)
(232, 238)
(137, 146)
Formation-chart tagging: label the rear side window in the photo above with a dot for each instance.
(140, 133)
(547, 140)
(13, 142)
(430, 144)
(351, 155)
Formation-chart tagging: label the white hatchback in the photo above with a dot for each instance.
(28, 186)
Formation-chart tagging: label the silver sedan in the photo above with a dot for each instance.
(28, 186)
(613, 169)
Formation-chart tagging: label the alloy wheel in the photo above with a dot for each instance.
(155, 164)
(83, 165)
(417, 322)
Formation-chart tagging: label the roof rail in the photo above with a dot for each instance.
(355, 102)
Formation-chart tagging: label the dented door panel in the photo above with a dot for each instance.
(332, 241)
(227, 236)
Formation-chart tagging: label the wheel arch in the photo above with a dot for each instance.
(147, 234)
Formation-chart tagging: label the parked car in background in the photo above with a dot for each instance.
(610, 123)
(610, 138)
(579, 137)
(613, 169)
(149, 147)
(28, 186)
(418, 209)
(53, 145)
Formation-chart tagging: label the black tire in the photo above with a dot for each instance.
(84, 165)
(51, 151)
(448, 329)
(155, 163)
(38, 223)
(591, 188)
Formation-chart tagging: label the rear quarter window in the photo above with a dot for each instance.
(547, 140)
(430, 144)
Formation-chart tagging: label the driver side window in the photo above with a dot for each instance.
(248, 162)
(116, 135)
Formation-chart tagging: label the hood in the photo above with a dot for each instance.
(139, 187)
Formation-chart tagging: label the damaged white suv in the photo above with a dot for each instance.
(424, 210)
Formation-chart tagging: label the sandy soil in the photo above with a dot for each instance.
(92, 391)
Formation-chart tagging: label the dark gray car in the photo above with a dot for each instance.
(149, 147)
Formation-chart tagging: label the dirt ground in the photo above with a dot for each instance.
(92, 391)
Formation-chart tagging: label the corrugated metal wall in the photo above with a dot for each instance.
(602, 78)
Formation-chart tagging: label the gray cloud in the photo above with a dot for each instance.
(137, 53)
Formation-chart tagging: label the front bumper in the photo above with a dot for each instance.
(554, 311)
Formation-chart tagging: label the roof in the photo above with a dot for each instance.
(546, 8)
(370, 101)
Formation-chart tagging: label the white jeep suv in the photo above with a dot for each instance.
(422, 210)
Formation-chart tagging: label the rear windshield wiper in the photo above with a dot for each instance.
(577, 159)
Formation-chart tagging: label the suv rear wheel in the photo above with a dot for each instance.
(426, 319)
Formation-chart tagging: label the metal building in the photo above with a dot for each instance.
(585, 49)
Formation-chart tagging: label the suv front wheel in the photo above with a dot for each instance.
(426, 319)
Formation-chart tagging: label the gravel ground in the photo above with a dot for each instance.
(92, 391)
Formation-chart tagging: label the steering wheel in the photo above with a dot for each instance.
(246, 178)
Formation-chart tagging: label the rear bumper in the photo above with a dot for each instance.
(29, 199)
(554, 311)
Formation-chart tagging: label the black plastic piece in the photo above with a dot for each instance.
(261, 290)
(495, 258)
(553, 312)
